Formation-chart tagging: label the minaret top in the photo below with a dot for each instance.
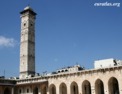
(28, 9)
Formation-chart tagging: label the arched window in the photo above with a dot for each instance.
(63, 89)
(52, 89)
(113, 86)
(99, 87)
(7, 91)
(27, 90)
(86, 87)
(74, 88)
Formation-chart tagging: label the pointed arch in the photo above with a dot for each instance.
(99, 87)
(86, 87)
(52, 89)
(113, 86)
(62, 88)
(74, 88)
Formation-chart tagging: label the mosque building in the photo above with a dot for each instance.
(105, 78)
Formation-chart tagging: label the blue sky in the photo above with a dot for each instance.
(67, 32)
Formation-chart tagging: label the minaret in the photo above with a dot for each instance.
(27, 46)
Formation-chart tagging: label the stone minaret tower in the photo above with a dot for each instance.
(27, 47)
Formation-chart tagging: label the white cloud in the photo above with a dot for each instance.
(7, 42)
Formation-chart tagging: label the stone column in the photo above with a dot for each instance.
(92, 82)
(120, 85)
(79, 88)
(68, 88)
(47, 88)
(106, 90)
(12, 90)
(57, 89)
(40, 89)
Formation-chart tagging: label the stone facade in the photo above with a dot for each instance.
(79, 81)
(94, 81)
